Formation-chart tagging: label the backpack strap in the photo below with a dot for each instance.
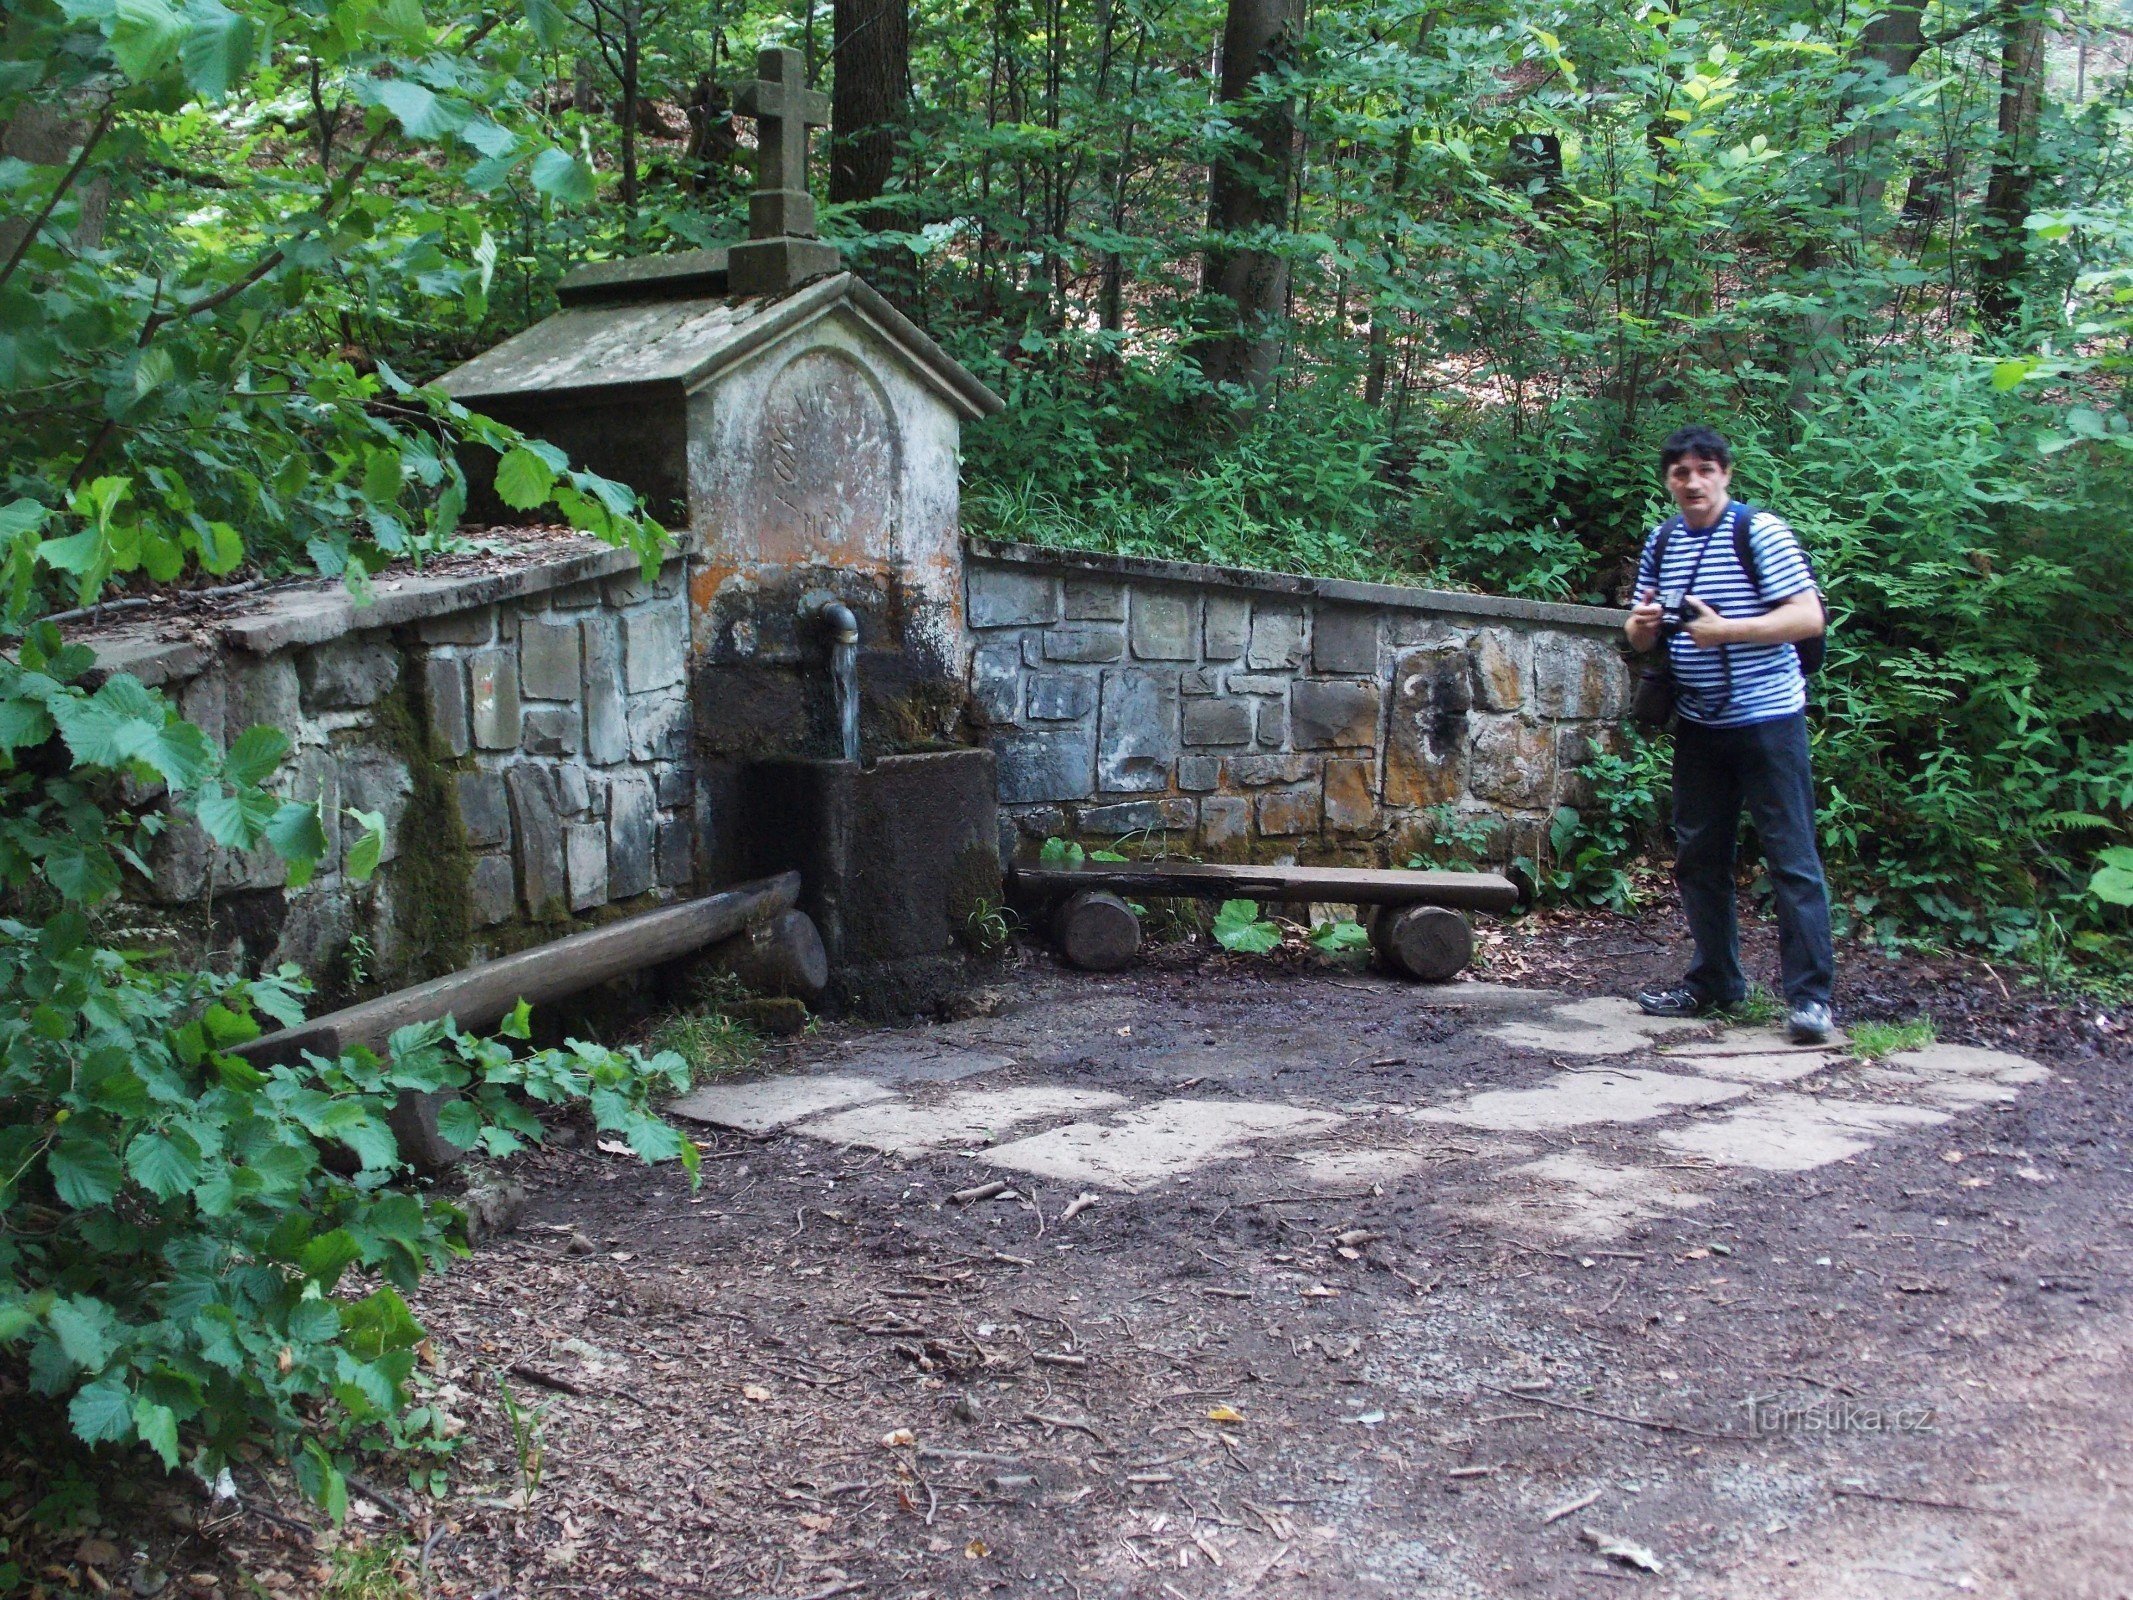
(1744, 546)
(1666, 532)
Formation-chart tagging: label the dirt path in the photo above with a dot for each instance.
(1374, 1283)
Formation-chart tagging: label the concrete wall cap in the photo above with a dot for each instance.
(1383, 596)
(315, 611)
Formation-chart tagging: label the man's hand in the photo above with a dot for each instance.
(1706, 627)
(1797, 618)
(1642, 629)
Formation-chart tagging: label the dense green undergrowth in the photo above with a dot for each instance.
(1974, 727)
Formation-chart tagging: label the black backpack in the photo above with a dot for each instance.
(1812, 652)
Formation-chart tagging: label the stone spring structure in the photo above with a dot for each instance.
(1256, 716)
(552, 735)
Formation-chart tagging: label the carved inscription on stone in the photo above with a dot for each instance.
(824, 481)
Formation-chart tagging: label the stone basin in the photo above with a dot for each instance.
(894, 855)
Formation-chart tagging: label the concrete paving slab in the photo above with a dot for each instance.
(963, 1120)
(906, 1061)
(1574, 1099)
(1576, 1197)
(1967, 1061)
(1163, 1139)
(1966, 1094)
(1775, 1066)
(1340, 1169)
(773, 1102)
(1480, 996)
(1602, 1026)
(1793, 1133)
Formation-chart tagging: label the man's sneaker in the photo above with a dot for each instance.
(1680, 1002)
(1810, 1024)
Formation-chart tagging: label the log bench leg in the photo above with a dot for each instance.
(1096, 932)
(1431, 943)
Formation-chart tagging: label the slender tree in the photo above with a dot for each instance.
(2003, 256)
(1248, 195)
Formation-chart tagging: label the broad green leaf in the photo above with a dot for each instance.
(383, 476)
(362, 1130)
(369, 846)
(314, 1321)
(217, 49)
(84, 1172)
(1334, 937)
(562, 176)
(76, 553)
(157, 1426)
(152, 370)
(83, 873)
(180, 754)
(145, 35)
(23, 722)
(523, 480)
(165, 1165)
(327, 1256)
(421, 113)
(2009, 374)
(1238, 927)
(296, 834)
(459, 1123)
(548, 22)
(86, 1330)
(255, 755)
(102, 1413)
(18, 517)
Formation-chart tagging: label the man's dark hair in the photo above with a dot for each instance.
(1695, 441)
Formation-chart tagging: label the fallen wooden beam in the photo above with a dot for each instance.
(1464, 891)
(478, 996)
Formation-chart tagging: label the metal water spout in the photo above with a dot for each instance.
(843, 628)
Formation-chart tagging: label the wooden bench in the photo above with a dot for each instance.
(1418, 928)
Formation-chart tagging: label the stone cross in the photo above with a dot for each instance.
(784, 109)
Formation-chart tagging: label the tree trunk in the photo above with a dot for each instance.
(870, 99)
(632, 41)
(2003, 255)
(1896, 39)
(1248, 191)
(869, 95)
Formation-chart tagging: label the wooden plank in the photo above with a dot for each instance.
(478, 996)
(1464, 891)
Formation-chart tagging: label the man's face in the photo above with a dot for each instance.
(1701, 487)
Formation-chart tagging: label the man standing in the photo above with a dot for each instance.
(1729, 629)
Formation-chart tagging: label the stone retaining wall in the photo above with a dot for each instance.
(1249, 715)
(525, 733)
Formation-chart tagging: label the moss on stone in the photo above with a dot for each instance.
(433, 871)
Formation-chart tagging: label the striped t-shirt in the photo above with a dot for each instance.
(1736, 684)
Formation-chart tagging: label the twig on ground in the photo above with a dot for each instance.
(1919, 1500)
(1568, 1506)
(1610, 1416)
(1067, 1422)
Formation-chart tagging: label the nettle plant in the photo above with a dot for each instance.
(199, 1254)
(196, 1252)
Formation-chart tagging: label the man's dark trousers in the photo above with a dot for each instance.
(1764, 764)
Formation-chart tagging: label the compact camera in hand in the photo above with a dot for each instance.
(1672, 612)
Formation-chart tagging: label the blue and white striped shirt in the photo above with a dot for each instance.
(1736, 684)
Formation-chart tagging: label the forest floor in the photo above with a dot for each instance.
(1488, 1289)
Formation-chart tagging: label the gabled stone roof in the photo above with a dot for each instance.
(622, 331)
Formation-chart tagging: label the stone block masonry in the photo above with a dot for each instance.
(526, 738)
(1252, 715)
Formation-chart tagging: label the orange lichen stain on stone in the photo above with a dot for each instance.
(705, 583)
